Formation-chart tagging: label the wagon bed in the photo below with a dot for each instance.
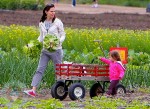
(69, 77)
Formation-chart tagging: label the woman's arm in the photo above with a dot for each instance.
(61, 31)
(40, 38)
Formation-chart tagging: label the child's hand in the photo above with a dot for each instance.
(120, 78)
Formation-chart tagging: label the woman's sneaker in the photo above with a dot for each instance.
(30, 92)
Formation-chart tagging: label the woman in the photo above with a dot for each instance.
(49, 25)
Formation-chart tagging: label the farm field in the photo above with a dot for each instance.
(139, 99)
(84, 16)
(134, 20)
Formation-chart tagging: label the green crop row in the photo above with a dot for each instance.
(21, 4)
(79, 39)
(96, 103)
(79, 47)
(15, 36)
(19, 67)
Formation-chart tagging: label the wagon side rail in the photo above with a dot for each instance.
(82, 72)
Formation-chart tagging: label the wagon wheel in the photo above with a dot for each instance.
(59, 91)
(96, 90)
(76, 90)
(120, 89)
(53, 86)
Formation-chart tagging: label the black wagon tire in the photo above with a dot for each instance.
(52, 90)
(96, 90)
(76, 90)
(59, 91)
(121, 90)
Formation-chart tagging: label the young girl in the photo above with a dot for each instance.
(116, 71)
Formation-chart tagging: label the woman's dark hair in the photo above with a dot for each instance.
(47, 8)
(115, 55)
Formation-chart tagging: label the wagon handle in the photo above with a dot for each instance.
(99, 42)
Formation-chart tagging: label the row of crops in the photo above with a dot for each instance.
(18, 65)
(39, 4)
(95, 103)
(22, 4)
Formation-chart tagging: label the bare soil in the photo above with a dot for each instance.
(45, 94)
(84, 16)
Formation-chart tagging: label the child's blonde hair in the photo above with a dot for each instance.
(115, 55)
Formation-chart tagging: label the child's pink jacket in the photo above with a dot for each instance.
(116, 69)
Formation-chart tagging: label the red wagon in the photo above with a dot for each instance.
(69, 77)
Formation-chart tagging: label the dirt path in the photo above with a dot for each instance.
(87, 9)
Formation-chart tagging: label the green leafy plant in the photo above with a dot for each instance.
(14, 85)
(31, 103)
(44, 104)
(3, 101)
(114, 103)
(22, 4)
(50, 42)
(138, 59)
(33, 48)
(2, 53)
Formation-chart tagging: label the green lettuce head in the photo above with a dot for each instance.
(33, 48)
(50, 42)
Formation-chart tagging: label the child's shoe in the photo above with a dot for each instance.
(30, 92)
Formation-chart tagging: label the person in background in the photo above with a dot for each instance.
(116, 71)
(73, 3)
(95, 4)
(49, 24)
(55, 1)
